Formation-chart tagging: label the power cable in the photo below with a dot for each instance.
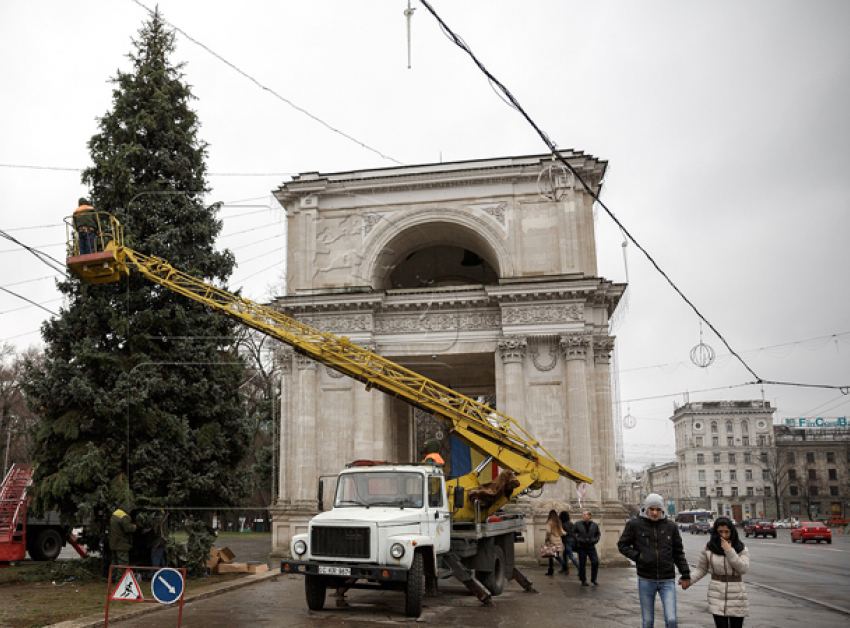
(269, 90)
(513, 102)
(50, 261)
(30, 301)
(210, 174)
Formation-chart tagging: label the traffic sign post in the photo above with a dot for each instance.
(168, 586)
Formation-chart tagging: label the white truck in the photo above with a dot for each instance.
(391, 527)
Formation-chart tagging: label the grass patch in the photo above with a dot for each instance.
(33, 595)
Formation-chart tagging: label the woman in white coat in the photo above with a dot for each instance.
(725, 559)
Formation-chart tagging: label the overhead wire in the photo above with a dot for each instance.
(30, 301)
(514, 103)
(270, 90)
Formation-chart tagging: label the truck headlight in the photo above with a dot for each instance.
(300, 548)
(397, 550)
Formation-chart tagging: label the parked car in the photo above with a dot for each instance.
(700, 527)
(759, 528)
(782, 524)
(811, 531)
(838, 520)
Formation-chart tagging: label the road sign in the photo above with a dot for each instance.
(128, 589)
(167, 585)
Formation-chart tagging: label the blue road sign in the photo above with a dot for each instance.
(167, 585)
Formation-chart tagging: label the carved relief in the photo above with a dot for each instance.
(512, 349)
(339, 323)
(369, 221)
(542, 314)
(304, 363)
(437, 321)
(497, 211)
(574, 346)
(551, 349)
(602, 348)
(284, 358)
(333, 373)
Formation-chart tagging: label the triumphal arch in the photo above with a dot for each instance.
(478, 274)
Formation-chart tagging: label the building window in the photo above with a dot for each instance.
(731, 458)
(730, 441)
(792, 474)
(718, 491)
(794, 490)
(700, 458)
(716, 458)
(733, 475)
(745, 426)
(790, 456)
(702, 475)
(728, 426)
(795, 508)
(813, 474)
(750, 493)
(833, 474)
(748, 458)
(833, 490)
(748, 474)
(810, 457)
(697, 425)
(703, 492)
(830, 457)
(714, 427)
(765, 474)
(745, 440)
(717, 475)
(699, 441)
(764, 457)
(734, 491)
(767, 491)
(715, 441)
(813, 491)
(762, 440)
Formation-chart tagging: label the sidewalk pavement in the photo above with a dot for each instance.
(273, 599)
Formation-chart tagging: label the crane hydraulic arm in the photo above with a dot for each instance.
(493, 434)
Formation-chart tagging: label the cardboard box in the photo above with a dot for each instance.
(225, 555)
(222, 568)
(255, 567)
(213, 559)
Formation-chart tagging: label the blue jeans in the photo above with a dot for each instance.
(568, 553)
(666, 590)
(87, 242)
(583, 554)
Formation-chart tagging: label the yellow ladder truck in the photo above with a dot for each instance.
(393, 526)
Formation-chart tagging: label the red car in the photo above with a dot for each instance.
(756, 528)
(811, 531)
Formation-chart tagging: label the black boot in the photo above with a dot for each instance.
(550, 572)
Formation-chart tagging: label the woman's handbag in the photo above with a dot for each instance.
(548, 550)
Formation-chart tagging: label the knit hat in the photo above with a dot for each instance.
(654, 500)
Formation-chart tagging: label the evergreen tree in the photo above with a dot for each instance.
(138, 389)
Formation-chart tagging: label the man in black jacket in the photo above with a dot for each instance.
(587, 536)
(654, 544)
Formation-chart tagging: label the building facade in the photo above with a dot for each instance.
(813, 466)
(722, 450)
(470, 274)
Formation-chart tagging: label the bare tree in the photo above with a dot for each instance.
(775, 466)
(16, 419)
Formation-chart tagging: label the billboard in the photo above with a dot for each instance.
(838, 421)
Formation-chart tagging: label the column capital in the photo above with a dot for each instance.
(602, 348)
(574, 346)
(284, 358)
(304, 363)
(512, 349)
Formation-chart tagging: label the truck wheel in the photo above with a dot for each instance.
(495, 580)
(46, 545)
(314, 588)
(414, 588)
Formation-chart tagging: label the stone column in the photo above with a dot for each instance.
(574, 347)
(304, 452)
(602, 348)
(512, 351)
(284, 472)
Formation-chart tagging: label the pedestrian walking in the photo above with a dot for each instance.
(654, 543)
(587, 536)
(554, 532)
(568, 541)
(726, 559)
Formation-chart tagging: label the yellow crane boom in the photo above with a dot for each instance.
(476, 424)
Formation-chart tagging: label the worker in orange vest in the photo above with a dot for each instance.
(85, 222)
(431, 451)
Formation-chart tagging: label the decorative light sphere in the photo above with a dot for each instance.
(629, 421)
(555, 182)
(702, 355)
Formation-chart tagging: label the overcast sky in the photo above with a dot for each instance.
(725, 125)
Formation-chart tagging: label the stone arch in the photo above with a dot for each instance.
(394, 238)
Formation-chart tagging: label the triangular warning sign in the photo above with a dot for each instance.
(128, 589)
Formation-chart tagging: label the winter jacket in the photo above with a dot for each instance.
(569, 532)
(121, 530)
(85, 218)
(728, 599)
(553, 536)
(587, 534)
(655, 547)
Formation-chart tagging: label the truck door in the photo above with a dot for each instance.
(439, 521)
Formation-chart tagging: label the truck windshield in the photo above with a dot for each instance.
(395, 489)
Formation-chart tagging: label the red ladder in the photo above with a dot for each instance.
(13, 513)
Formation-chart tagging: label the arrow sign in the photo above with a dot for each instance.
(167, 586)
(128, 589)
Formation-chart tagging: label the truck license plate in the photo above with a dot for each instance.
(334, 571)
